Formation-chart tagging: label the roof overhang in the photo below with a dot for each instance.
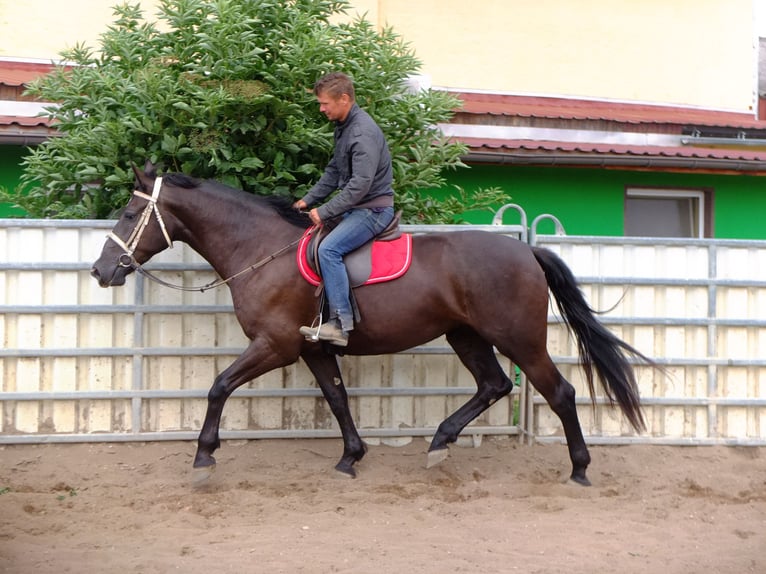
(544, 131)
(560, 154)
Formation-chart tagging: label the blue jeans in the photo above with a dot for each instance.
(356, 228)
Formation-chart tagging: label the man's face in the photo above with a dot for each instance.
(335, 109)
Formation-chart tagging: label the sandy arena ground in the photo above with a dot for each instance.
(279, 507)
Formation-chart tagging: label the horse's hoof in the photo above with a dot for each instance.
(437, 456)
(579, 480)
(345, 469)
(202, 474)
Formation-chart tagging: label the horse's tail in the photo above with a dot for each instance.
(598, 347)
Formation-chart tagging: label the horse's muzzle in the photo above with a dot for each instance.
(116, 279)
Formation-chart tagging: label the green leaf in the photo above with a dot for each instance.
(252, 163)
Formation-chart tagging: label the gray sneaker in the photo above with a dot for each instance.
(330, 332)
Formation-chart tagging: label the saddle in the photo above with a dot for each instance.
(384, 258)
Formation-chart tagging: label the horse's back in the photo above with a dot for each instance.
(473, 251)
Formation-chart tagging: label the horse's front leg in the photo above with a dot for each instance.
(256, 360)
(325, 368)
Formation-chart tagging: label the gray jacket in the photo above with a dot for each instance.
(360, 168)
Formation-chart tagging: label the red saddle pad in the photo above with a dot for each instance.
(390, 259)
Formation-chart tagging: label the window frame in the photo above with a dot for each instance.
(704, 197)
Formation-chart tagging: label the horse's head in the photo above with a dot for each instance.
(139, 234)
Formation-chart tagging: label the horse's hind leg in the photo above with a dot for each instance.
(478, 356)
(325, 368)
(560, 395)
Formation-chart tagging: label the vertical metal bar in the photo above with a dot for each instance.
(712, 340)
(138, 357)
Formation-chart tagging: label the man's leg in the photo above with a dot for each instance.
(357, 228)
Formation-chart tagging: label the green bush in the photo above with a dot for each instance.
(221, 89)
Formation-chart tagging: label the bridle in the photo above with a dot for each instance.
(130, 245)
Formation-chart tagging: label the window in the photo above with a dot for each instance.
(668, 212)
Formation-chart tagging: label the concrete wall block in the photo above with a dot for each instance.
(236, 414)
(613, 423)
(61, 244)
(62, 374)
(96, 416)
(733, 421)
(29, 332)
(156, 294)
(96, 330)
(198, 330)
(402, 407)
(168, 415)
(229, 332)
(25, 245)
(431, 372)
(371, 372)
(582, 259)
(61, 288)
(646, 339)
(673, 421)
(734, 302)
(740, 263)
(733, 342)
(61, 331)
(100, 375)
(27, 417)
(197, 372)
(733, 382)
(63, 417)
(547, 423)
(195, 279)
(193, 414)
(163, 330)
(501, 412)
(299, 413)
(28, 374)
(643, 300)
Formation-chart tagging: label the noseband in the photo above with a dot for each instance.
(131, 243)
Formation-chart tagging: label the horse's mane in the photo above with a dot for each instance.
(282, 205)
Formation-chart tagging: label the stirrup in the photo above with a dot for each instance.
(318, 322)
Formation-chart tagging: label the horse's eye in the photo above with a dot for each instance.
(129, 215)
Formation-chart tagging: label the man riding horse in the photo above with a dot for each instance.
(360, 170)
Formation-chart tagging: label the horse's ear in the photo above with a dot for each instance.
(142, 177)
(150, 169)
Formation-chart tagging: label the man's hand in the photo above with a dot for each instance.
(314, 215)
(300, 205)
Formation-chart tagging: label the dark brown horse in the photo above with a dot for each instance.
(480, 289)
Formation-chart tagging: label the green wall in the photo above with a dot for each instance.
(591, 201)
(10, 172)
(587, 201)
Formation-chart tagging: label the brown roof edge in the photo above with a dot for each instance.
(557, 107)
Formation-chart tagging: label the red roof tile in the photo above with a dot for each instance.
(538, 146)
(21, 73)
(24, 121)
(581, 109)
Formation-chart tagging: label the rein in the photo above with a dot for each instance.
(129, 246)
(217, 283)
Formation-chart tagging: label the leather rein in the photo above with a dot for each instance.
(130, 245)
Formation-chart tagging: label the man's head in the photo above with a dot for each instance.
(335, 95)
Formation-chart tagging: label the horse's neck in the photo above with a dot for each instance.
(229, 234)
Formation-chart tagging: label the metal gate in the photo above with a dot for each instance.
(82, 363)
